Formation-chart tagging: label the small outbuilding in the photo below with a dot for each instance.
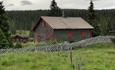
(18, 38)
(61, 28)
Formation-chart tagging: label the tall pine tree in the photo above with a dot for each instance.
(92, 19)
(54, 9)
(4, 28)
(91, 14)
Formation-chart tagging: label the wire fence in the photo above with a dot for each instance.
(41, 48)
(62, 46)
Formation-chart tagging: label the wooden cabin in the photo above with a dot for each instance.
(61, 28)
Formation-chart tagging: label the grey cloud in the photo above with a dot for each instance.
(11, 5)
(96, 0)
(25, 2)
(45, 4)
(109, 4)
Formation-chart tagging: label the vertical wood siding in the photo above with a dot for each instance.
(43, 32)
(77, 34)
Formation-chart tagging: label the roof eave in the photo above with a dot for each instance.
(35, 26)
(74, 28)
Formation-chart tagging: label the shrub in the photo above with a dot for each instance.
(113, 40)
(18, 45)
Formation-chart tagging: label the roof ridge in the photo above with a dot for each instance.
(60, 17)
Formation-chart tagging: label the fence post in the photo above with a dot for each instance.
(70, 54)
(79, 66)
(75, 63)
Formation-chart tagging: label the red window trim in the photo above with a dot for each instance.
(83, 34)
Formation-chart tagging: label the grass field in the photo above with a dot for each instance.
(95, 57)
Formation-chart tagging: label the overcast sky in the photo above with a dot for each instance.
(45, 4)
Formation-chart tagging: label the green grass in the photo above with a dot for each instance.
(94, 57)
(23, 32)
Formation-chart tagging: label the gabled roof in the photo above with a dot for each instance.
(66, 22)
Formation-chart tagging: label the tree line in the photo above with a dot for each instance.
(24, 20)
(10, 21)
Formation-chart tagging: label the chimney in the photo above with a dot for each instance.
(63, 13)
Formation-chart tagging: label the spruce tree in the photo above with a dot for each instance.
(54, 9)
(92, 19)
(91, 14)
(4, 28)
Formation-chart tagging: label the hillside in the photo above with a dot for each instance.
(95, 57)
(24, 20)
